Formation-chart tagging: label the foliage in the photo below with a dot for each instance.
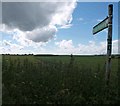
(57, 80)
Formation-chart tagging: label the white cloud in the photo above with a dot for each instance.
(34, 24)
(115, 46)
(65, 26)
(63, 15)
(67, 47)
(6, 43)
(80, 19)
(9, 47)
(42, 34)
(62, 47)
(6, 46)
(37, 21)
(19, 43)
(21, 37)
(64, 44)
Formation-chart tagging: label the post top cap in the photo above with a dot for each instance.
(110, 5)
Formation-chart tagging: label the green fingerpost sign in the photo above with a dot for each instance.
(99, 27)
(106, 23)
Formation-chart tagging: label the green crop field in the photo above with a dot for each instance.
(58, 80)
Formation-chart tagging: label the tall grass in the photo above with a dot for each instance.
(35, 80)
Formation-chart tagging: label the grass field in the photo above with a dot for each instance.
(58, 80)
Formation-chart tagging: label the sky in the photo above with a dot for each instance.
(56, 28)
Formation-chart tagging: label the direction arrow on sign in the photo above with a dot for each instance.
(102, 25)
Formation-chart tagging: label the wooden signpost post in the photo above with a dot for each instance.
(106, 23)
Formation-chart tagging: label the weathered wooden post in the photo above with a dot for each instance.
(109, 43)
(106, 23)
